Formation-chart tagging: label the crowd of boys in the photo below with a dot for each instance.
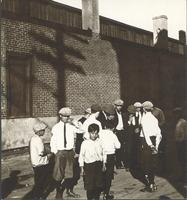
(104, 138)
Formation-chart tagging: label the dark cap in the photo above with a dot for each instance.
(131, 109)
(95, 108)
(109, 108)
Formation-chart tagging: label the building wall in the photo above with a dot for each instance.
(70, 68)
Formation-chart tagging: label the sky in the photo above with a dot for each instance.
(139, 13)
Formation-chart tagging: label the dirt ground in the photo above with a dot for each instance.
(17, 181)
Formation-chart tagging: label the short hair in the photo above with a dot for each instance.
(110, 124)
(93, 127)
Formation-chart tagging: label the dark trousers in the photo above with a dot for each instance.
(41, 179)
(93, 179)
(71, 182)
(132, 149)
(63, 166)
(148, 162)
(109, 173)
(121, 154)
(93, 194)
(181, 148)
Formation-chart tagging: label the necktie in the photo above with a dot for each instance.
(65, 141)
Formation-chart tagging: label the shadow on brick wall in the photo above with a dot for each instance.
(57, 60)
(155, 75)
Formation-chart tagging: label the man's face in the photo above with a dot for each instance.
(64, 118)
(138, 109)
(110, 117)
(41, 132)
(119, 107)
(93, 135)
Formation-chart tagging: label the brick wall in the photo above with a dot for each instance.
(91, 67)
(71, 68)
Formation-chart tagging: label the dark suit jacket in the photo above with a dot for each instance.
(159, 114)
(124, 118)
(104, 121)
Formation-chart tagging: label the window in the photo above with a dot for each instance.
(19, 85)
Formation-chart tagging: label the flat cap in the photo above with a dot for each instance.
(147, 105)
(66, 111)
(131, 109)
(109, 108)
(95, 108)
(38, 126)
(137, 104)
(118, 102)
(177, 110)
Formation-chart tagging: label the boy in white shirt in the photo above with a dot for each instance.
(39, 159)
(92, 163)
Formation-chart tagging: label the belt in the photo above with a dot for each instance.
(66, 150)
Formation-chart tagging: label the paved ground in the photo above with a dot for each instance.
(124, 185)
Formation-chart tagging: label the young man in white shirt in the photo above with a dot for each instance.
(92, 162)
(39, 160)
(95, 110)
(62, 144)
(150, 137)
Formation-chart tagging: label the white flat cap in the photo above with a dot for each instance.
(38, 126)
(118, 102)
(66, 111)
(137, 104)
(147, 105)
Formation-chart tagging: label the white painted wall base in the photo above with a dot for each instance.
(17, 132)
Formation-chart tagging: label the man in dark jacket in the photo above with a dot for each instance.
(121, 119)
(107, 115)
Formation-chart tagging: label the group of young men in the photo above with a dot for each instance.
(92, 146)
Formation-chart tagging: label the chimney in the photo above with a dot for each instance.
(90, 16)
(160, 32)
(182, 36)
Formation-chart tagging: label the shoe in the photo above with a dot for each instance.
(146, 189)
(72, 194)
(143, 189)
(127, 169)
(153, 187)
(108, 197)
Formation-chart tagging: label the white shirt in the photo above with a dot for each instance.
(90, 120)
(109, 141)
(120, 122)
(150, 128)
(57, 139)
(36, 152)
(91, 151)
(139, 115)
